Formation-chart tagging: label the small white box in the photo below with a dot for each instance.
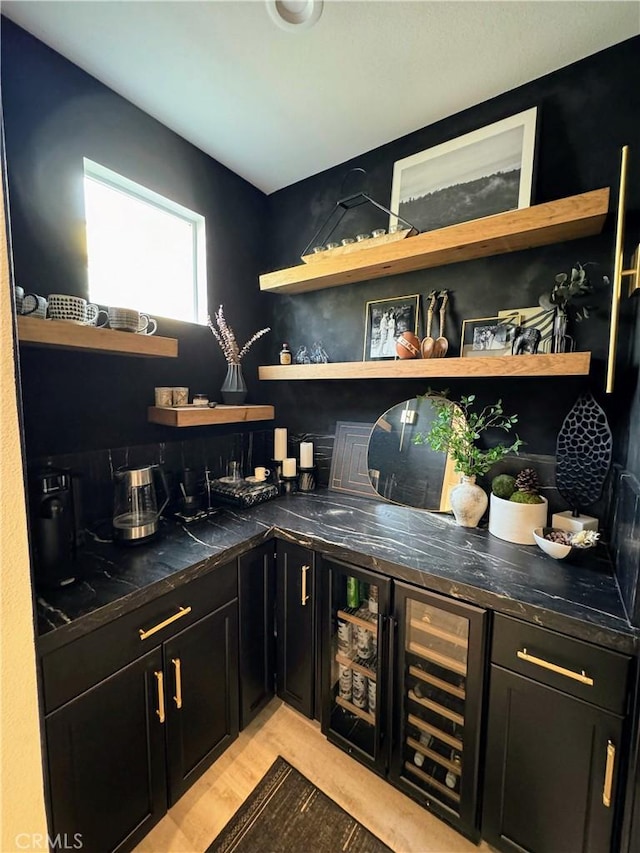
(567, 521)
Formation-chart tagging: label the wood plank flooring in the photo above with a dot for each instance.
(192, 824)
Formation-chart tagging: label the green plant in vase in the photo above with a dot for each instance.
(456, 431)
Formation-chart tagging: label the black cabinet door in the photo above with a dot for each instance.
(201, 666)
(551, 769)
(438, 699)
(256, 589)
(295, 608)
(107, 759)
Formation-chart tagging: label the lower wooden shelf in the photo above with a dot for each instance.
(516, 366)
(201, 416)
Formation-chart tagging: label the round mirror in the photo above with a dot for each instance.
(406, 473)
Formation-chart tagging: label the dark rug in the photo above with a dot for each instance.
(286, 813)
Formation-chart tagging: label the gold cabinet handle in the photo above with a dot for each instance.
(178, 674)
(160, 683)
(608, 775)
(148, 632)
(305, 597)
(582, 677)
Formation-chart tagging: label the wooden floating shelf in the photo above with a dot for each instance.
(515, 366)
(553, 222)
(204, 416)
(61, 335)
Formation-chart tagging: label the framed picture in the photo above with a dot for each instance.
(487, 171)
(534, 318)
(384, 321)
(488, 336)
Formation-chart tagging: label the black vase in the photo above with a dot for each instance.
(234, 388)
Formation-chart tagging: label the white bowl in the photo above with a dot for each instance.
(555, 549)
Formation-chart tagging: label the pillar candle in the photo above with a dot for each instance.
(279, 443)
(306, 454)
(289, 467)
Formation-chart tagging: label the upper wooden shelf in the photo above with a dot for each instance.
(552, 222)
(203, 416)
(560, 364)
(58, 333)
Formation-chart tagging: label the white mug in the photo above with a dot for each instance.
(19, 297)
(261, 473)
(35, 306)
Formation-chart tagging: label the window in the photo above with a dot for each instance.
(144, 251)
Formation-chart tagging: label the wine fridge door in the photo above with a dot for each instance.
(439, 674)
(356, 606)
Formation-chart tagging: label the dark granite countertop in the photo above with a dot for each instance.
(422, 548)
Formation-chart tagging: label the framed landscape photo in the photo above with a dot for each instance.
(384, 321)
(489, 336)
(484, 172)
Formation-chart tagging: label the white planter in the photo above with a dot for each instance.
(516, 522)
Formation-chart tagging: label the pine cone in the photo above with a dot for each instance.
(527, 481)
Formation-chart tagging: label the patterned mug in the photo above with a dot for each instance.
(72, 309)
(35, 306)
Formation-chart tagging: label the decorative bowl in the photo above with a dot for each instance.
(557, 550)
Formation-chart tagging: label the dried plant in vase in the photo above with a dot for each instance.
(234, 389)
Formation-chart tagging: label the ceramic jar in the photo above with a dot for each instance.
(468, 501)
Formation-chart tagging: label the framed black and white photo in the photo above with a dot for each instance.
(489, 336)
(385, 320)
(484, 172)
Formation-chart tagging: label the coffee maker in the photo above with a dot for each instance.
(56, 526)
(135, 506)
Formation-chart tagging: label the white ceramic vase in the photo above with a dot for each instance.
(468, 502)
(515, 522)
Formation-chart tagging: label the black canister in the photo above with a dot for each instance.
(55, 526)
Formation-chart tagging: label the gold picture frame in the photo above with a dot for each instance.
(488, 336)
(384, 322)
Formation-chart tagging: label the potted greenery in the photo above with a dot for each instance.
(517, 508)
(456, 431)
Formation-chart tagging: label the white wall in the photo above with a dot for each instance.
(22, 813)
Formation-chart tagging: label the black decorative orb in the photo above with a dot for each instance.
(583, 453)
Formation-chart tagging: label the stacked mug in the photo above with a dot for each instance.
(129, 320)
(72, 309)
(30, 304)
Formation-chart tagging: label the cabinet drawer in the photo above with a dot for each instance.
(70, 670)
(580, 669)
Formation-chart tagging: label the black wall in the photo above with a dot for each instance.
(586, 112)
(54, 115)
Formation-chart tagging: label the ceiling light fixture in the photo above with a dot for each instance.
(295, 14)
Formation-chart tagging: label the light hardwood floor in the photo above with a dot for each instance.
(192, 824)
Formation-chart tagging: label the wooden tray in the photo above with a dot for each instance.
(358, 247)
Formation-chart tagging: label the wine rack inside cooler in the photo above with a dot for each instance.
(435, 691)
(354, 661)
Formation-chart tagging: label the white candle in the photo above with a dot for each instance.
(306, 454)
(279, 443)
(289, 467)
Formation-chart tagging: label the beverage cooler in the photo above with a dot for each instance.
(402, 687)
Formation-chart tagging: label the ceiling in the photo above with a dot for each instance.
(276, 106)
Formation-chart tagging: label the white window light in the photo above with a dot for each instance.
(144, 250)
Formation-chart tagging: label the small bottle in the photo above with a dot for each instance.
(353, 592)
(285, 354)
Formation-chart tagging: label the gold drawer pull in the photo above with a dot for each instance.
(178, 697)
(608, 774)
(305, 597)
(183, 611)
(160, 682)
(582, 677)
